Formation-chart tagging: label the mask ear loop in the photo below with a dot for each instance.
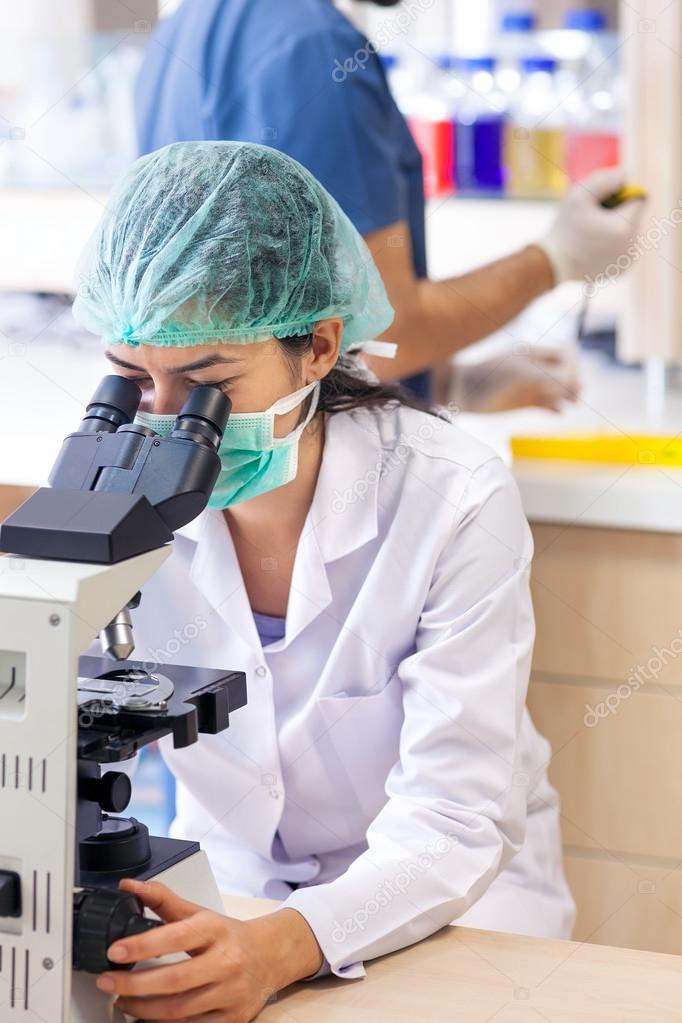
(280, 407)
(298, 430)
(291, 401)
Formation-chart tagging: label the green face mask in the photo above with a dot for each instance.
(253, 460)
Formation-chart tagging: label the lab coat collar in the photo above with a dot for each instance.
(192, 531)
(343, 514)
(341, 519)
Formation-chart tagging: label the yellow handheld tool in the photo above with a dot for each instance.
(624, 194)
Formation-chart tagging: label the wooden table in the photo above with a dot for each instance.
(461, 975)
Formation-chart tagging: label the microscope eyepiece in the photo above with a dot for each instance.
(113, 404)
(203, 416)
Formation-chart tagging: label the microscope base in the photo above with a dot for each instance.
(192, 879)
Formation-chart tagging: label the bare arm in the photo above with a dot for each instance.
(434, 319)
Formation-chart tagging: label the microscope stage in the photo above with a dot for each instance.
(124, 707)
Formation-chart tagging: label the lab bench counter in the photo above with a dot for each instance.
(461, 975)
(606, 682)
(617, 496)
(610, 495)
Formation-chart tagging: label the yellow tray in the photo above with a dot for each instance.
(636, 450)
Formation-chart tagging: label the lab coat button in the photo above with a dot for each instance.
(261, 671)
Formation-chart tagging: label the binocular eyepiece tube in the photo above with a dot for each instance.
(203, 416)
(113, 404)
(201, 419)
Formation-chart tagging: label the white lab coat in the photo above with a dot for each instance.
(386, 762)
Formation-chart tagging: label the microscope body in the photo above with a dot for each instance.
(63, 715)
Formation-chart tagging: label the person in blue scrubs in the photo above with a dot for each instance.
(298, 76)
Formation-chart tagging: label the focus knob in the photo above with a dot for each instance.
(112, 791)
(100, 917)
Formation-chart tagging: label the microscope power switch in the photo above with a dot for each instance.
(10, 893)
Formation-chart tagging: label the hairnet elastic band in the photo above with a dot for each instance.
(380, 349)
(235, 334)
(218, 334)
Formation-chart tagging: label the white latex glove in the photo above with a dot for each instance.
(539, 378)
(585, 238)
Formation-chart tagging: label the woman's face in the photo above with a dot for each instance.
(253, 376)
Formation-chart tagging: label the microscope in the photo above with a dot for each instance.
(78, 553)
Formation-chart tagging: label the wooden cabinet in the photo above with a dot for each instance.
(606, 690)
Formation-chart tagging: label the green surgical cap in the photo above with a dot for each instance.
(225, 241)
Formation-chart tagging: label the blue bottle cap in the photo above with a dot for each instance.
(582, 20)
(478, 63)
(530, 64)
(523, 21)
(445, 61)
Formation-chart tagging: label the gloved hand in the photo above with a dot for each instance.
(539, 378)
(585, 238)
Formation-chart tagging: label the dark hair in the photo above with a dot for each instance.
(348, 386)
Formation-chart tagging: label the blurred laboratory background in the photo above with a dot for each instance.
(508, 103)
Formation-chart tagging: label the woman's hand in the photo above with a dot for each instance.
(234, 967)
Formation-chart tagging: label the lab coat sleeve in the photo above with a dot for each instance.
(456, 808)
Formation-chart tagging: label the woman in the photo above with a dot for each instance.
(364, 561)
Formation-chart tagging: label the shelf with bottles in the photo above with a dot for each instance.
(539, 112)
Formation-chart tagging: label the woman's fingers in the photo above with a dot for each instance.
(162, 980)
(219, 1016)
(160, 899)
(172, 1007)
(189, 935)
(208, 999)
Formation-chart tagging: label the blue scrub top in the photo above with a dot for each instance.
(295, 75)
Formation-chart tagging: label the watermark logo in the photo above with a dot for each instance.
(642, 242)
(638, 676)
(387, 32)
(399, 455)
(391, 888)
(180, 638)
